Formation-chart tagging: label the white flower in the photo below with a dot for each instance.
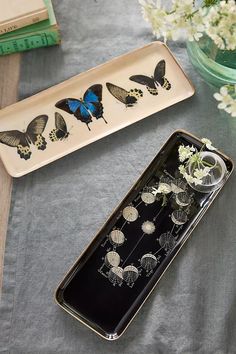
(224, 97)
(200, 173)
(208, 144)
(169, 21)
(220, 24)
(197, 181)
(230, 41)
(217, 39)
(192, 157)
(197, 20)
(163, 188)
(232, 108)
(154, 12)
(188, 178)
(188, 16)
(191, 179)
(211, 31)
(197, 27)
(193, 34)
(227, 96)
(184, 6)
(182, 169)
(185, 152)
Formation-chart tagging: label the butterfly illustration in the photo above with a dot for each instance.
(153, 82)
(129, 98)
(60, 132)
(85, 108)
(22, 140)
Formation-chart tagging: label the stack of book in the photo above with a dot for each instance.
(27, 24)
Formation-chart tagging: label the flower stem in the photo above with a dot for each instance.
(164, 201)
(207, 164)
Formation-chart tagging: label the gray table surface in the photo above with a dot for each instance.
(57, 210)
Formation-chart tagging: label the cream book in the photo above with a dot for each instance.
(15, 14)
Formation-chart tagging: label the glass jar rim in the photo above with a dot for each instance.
(218, 70)
(217, 158)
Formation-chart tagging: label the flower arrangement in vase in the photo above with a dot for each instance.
(210, 29)
(204, 170)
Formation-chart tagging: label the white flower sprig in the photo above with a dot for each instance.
(163, 189)
(171, 22)
(220, 24)
(185, 152)
(227, 98)
(190, 155)
(215, 18)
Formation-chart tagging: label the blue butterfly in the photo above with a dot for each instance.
(86, 108)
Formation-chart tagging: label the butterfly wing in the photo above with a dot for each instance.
(92, 101)
(35, 130)
(143, 80)
(95, 108)
(69, 105)
(60, 132)
(15, 138)
(160, 71)
(12, 137)
(93, 94)
(121, 94)
(60, 123)
(149, 82)
(75, 107)
(159, 75)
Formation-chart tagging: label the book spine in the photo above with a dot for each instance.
(45, 38)
(23, 21)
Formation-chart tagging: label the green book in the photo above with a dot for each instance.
(41, 34)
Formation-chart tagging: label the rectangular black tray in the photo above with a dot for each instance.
(117, 272)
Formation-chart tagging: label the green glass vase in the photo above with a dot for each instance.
(217, 67)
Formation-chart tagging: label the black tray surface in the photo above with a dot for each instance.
(114, 276)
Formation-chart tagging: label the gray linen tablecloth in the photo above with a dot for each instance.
(57, 210)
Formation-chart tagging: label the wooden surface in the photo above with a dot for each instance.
(9, 77)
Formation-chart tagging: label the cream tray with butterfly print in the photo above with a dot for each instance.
(117, 272)
(87, 107)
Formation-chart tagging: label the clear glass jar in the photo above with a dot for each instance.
(217, 173)
(217, 67)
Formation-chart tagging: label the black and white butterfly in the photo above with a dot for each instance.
(22, 140)
(129, 98)
(85, 108)
(60, 132)
(153, 82)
